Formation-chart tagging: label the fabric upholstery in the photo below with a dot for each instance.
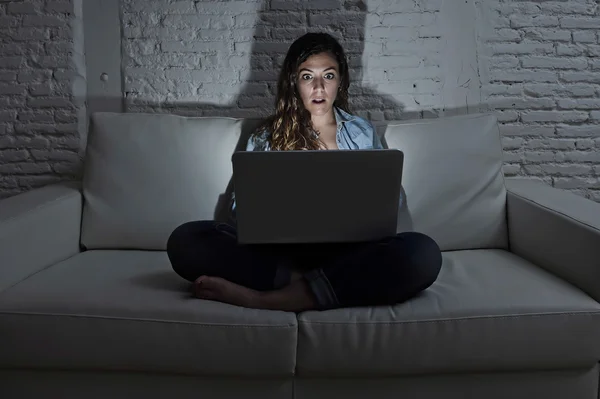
(37, 229)
(489, 310)
(128, 310)
(453, 180)
(145, 174)
(557, 230)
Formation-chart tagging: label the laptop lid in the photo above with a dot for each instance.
(316, 196)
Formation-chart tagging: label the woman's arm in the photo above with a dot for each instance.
(258, 142)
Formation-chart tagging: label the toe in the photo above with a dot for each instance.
(211, 283)
(207, 287)
(200, 280)
(200, 287)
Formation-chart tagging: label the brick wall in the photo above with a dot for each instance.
(223, 58)
(41, 109)
(536, 64)
(540, 70)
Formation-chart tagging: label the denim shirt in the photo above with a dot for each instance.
(353, 133)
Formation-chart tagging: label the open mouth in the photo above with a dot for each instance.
(318, 100)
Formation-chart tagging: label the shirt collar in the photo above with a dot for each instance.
(342, 116)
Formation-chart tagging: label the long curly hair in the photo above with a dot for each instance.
(290, 127)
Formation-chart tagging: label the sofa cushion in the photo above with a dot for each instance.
(127, 310)
(453, 180)
(145, 174)
(489, 310)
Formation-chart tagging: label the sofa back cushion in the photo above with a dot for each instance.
(453, 180)
(145, 174)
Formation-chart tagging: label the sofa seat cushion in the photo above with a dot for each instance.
(488, 311)
(127, 310)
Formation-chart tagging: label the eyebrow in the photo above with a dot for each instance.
(306, 69)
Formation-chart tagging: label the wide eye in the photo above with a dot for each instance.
(306, 76)
(330, 76)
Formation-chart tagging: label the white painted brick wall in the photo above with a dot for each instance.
(41, 112)
(222, 58)
(540, 73)
(537, 67)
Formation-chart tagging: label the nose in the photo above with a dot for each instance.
(319, 83)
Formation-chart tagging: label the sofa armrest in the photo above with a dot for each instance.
(37, 229)
(557, 230)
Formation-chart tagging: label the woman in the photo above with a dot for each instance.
(311, 113)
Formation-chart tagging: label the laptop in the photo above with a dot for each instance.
(287, 197)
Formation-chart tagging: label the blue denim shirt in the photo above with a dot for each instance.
(353, 133)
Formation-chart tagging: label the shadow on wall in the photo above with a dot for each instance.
(256, 98)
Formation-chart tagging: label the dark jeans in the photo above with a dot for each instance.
(384, 272)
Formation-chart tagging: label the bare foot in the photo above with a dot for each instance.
(296, 297)
(219, 289)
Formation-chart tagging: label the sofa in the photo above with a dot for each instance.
(90, 307)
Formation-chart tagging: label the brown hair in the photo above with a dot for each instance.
(291, 127)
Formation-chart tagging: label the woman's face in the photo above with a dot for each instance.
(318, 83)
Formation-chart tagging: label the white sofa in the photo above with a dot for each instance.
(90, 308)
